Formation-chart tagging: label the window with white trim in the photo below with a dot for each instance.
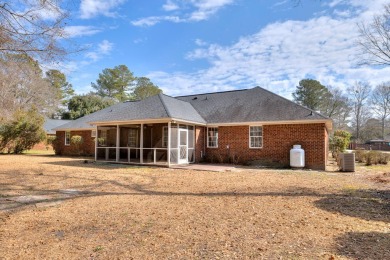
(255, 137)
(132, 137)
(67, 138)
(212, 137)
(165, 136)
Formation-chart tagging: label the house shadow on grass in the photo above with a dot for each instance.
(370, 245)
(372, 205)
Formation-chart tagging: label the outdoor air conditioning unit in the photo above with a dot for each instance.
(347, 162)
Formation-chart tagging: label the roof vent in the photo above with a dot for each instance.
(205, 98)
(195, 98)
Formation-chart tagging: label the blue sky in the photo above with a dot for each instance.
(198, 46)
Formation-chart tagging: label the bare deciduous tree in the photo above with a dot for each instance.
(380, 101)
(22, 87)
(374, 39)
(359, 94)
(32, 27)
(335, 106)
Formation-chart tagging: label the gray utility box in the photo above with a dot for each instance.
(346, 161)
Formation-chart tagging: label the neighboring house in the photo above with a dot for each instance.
(241, 125)
(381, 145)
(49, 126)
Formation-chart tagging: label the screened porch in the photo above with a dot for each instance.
(157, 143)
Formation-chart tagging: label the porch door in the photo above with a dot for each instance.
(183, 145)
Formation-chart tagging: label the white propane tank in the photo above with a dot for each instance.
(297, 157)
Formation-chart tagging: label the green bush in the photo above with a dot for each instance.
(22, 132)
(339, 142)
(76, 140)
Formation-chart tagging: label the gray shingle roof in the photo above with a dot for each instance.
(50, 124)
(249, 105)
(155, 107)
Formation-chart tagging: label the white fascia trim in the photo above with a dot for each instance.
(130, 122)
(146, 121)
(187, 122)
(74, 129)
(328, 123)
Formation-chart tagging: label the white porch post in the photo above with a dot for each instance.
(117, 142)
(169, 145)
(141, 145)
(96, 142)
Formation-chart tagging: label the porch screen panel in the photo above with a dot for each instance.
(174, 144)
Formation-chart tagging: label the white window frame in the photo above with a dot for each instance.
(164, 136)
(216, 137)
(256, 136)
(93, 133)
(135, 136)
(67, 139)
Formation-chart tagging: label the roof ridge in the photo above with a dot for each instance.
(164, 105)
(311, 110)
(218, 92)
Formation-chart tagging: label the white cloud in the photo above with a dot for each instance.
(92, 8)
(80, 30)
(152, 20)
(170, 6)
(200, 42)
(278, 56)
(105, 47)
(199, 10)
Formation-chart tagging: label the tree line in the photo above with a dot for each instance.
(361, 109)
(28, 95)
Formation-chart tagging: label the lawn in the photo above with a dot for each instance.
(62, 208)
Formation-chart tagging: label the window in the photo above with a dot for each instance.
(212, 137)
(67, 138)
(255, 137)
(132, 137)
(93, 133)
(165, 136)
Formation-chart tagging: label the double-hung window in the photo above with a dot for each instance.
(255, 137)
(67, 138)
(212, 137)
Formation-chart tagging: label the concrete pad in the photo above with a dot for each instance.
(30, 198)
(206, 167)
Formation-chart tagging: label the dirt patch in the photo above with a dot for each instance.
(100, 211)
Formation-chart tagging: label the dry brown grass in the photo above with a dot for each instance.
(61, 208)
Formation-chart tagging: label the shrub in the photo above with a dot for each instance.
(76, 140)
(50, 141)
(372, 157)
(360, 155)
(339, 142)
(384, 158)
(22, 132)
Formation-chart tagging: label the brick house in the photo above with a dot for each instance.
(239, 126)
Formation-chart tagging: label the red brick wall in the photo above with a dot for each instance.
(87, 148)
(199, 143)
(277, 142)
